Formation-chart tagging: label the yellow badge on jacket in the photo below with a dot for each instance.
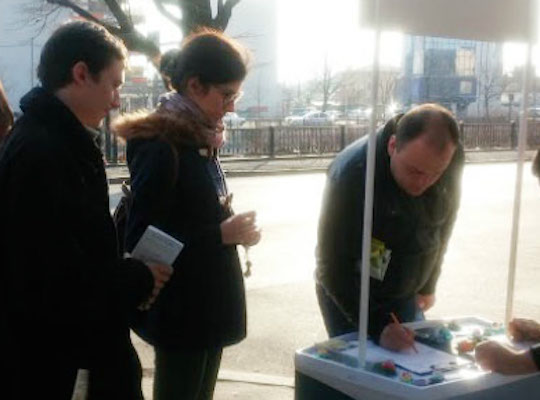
(379, 259)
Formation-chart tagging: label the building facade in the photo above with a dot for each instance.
(463, 75)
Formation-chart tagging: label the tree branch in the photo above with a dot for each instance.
(195, 13)
(85, 14)
(224, 14)
(123, 20)
(136, 42)
(132, 39)
(166, 13)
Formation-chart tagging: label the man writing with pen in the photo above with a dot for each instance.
(418, 167)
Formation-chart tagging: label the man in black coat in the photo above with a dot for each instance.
(416, 197)
(66, 294)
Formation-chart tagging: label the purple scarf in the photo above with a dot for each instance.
(175, 103)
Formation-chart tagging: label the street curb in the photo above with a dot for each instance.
(286, 171)
(118, 180)
(227, 159)
(244, 377)
(244, 173)
(470, 158)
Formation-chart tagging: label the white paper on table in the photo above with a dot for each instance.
(420, 363)
(157, 246)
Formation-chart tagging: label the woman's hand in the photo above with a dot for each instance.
(240, 229)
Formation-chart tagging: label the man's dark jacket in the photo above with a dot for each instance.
(66, 295)
(415, 229)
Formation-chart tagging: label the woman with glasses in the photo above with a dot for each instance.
(179, 187)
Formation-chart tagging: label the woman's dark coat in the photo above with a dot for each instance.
(172, 180)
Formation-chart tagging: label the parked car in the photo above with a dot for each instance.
(533, 112)
(233, 120)
(335, 114)
(359, 114)
(295, 118)
(317, 118)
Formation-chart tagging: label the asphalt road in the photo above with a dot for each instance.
(282, 308)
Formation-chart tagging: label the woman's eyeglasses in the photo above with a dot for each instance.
(228, 96)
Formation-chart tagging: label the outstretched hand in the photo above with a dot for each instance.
(522, 329)
(497, 357)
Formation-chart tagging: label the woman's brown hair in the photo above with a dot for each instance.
(209, 55)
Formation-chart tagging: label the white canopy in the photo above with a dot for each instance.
(489, 20)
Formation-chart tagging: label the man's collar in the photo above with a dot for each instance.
(51, 110)
(95, 134)
(208, 152)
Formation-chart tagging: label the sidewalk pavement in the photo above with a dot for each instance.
(250, 166)
(235, 385)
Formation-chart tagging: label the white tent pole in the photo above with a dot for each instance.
(523, 124)
(368, 202)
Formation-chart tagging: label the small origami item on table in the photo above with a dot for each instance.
(495, 329)
(406, 377)
(478, 335)
(454, 326)
(466, 346)
(324, 348)
(420, 382)
(436, 378)
(387, 368)
(438, 336)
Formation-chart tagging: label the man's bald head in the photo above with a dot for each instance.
(422, 147)
(432, 120)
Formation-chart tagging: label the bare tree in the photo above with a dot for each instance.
(329, 84)
(491, 81)
(119, 20)
(355, 88)
(197, 13)
(387, 89)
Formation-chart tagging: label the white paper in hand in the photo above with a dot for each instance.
(157, 247)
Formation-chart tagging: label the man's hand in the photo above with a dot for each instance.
(497, 357)
(524, 330)
(161, 273)
(241, 229)
(396, 337)
(425, 301)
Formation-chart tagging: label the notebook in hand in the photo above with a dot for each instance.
(156, 246)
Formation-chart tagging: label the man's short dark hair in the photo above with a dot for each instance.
(74, 42)
(417, 121)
